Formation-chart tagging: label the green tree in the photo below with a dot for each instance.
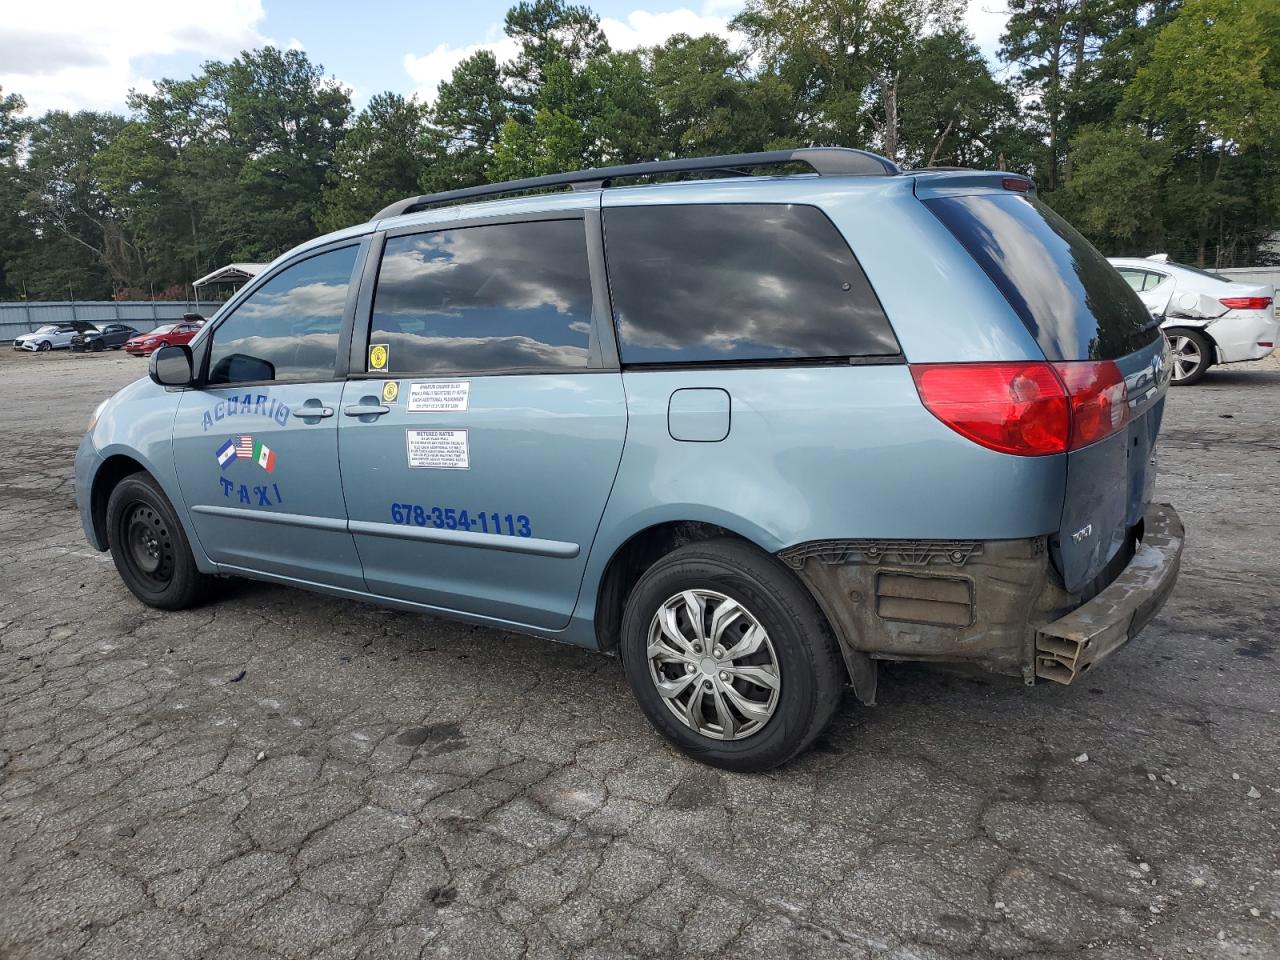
(467, 118)
(950, 109)
(14, 233)
(549, 32)
(842, 60)
(84, 248)
(1114, 194)
(1211, 94)
(284, 119)
(711, 101)
(381, 159)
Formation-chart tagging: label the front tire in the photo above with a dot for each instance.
(1192, 356)
(150, 548)
(45, 346)
(97, 346)
(729, 656)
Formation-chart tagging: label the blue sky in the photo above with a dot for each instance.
(74, 54)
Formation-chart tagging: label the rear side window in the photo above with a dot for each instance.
(509, 296)
(1069, 297)
(738, 282)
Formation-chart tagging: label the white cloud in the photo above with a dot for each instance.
(80, 54)
(645, 29)
(431, 69)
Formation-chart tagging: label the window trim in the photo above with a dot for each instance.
(202, 341)
(853, 360)
(601, 360)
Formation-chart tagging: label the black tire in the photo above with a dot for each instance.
(1187, 344)
(810, 672)
(97, 346)
(150, 548)
(45, 346)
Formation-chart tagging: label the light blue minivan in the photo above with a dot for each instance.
(753, 433)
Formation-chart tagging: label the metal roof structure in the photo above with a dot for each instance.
(232, 273)
(824, 161)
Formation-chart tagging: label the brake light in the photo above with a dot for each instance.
(1018, 408)
(1099, 399)
(1029, 409)
(1020, 184)
(1246, 303)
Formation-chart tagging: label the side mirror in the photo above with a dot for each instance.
(170, 366)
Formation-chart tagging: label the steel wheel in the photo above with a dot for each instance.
(148, 545)
(713, 665)
(1187, 356)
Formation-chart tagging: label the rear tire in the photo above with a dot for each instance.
(150, 548)
(1192, 356)
(719, 638)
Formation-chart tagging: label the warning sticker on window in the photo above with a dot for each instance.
(438, 449)
(438, 396)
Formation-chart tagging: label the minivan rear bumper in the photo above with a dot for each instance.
(1068, 647)
(994, 604)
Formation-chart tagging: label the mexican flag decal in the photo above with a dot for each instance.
(264, 456)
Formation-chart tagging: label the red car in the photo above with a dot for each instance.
(144, 344)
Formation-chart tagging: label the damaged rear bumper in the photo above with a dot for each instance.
(1071, 645)
(996, 604)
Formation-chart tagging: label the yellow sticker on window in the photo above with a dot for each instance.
(377, 357)
(390, 390)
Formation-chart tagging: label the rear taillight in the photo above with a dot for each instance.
(1099, 399)
(1030, 409)
(1245, 303)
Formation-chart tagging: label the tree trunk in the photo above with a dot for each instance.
(889, 93)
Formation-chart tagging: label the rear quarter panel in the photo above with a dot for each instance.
(815, 453)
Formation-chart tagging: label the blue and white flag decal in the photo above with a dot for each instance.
(227, 453)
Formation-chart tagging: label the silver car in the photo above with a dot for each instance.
(53, 336)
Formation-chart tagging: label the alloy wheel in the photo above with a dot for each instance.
(713, 665)
(1186, 356)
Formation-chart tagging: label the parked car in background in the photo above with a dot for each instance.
(112, 336)
(53, 336)
(1208, 318)
(754, 450)
(169, 334)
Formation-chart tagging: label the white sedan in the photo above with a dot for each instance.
(53, 336)
(1208, 318)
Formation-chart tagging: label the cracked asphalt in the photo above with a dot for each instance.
(279, 774)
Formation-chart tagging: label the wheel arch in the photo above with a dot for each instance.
(113, 469)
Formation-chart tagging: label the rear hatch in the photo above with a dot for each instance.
(1084, 317)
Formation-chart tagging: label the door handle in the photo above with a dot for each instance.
(366, 410)
(313, 410)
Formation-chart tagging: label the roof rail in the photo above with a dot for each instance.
(824, 161)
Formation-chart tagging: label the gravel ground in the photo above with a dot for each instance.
(282, 774)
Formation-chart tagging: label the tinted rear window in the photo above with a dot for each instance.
(738, 282)
(1074, 303)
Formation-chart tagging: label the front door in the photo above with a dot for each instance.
(479, 451)
(256, 447)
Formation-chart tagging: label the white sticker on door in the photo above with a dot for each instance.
(438, 449)
(438, 396)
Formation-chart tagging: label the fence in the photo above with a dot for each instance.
(17, 318)
(1268, 275)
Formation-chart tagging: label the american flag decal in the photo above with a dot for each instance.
(244, 448)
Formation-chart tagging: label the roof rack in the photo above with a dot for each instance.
(824, 161)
